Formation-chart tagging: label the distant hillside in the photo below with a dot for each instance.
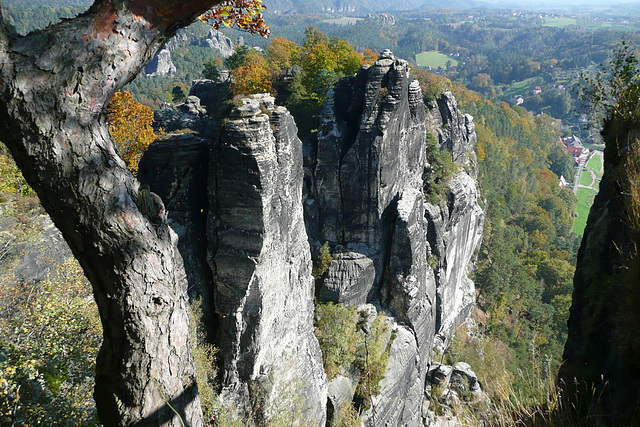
(366, 6)
(30, 15)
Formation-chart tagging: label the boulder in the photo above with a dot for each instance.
(348, 279)
(188, 115)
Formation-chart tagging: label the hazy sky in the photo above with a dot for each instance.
(560, 3)
(564, 2)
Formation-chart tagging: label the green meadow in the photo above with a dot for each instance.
(434, 59)
(587, 191)
(559, 22)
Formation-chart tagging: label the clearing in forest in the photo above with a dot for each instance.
(434, 59)
(559, 22)
(587, 189)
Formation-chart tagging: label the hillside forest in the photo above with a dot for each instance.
(488, 58)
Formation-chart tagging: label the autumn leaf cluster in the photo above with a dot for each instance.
(130, 127)
(315, 66)
(243, 14)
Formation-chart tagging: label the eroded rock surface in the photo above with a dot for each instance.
(177, 169)
(262, 265)
(217, 40)
(367, 189)
(392, 248)
(601, 352)
(161, 65)
(456, 131)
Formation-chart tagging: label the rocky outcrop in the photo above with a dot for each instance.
(259, 253)
(160, 65)
(455, 233)
(601, 352)
(370, 148)
(449, 389)
(211, 94)
(186, 115)
(407, 256)
(234, 196)
(348, 279)
(217, 40)
(394, 252)
(456, 131)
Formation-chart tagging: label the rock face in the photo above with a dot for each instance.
(455, 232)
(261, 261)
(370, 147)
(177, 169)
(160, 65)
(394, 249)
(235, 199)
(601, 352)
(455, 130)
(348, 279)
(217, 40)
(394, 253)
(186, 115)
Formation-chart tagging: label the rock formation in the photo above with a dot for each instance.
(233, 191)
(177, 168)
(601, 353)
(160, 65)
(393, 248)
(234, 195)
(261, 260)
(217, 40)
(250, 260)
(455, 228)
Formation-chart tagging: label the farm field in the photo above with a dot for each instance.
(587, 190)
(522, 87)
(434, 59)
(559, 22)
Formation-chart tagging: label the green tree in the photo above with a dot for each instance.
(238, 58)
(211, 70)
(178, 94)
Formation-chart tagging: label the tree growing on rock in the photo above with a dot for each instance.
(54, 88)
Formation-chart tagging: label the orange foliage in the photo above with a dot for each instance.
(243, 14)
(283, 53)
(251, 77)
(369, 57)
(130, 127)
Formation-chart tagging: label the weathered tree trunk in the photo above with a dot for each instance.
(54, 85)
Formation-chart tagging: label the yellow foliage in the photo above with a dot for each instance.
(482, 150)
(51, 334)
(321, 53)
(283, 53)
(243, 14)
(251, 77)
(11, 179)
(130, 127)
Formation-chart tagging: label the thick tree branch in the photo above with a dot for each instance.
(54, 85)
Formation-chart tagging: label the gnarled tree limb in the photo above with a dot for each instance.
(54, 85)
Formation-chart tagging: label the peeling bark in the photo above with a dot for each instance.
(54, 85)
